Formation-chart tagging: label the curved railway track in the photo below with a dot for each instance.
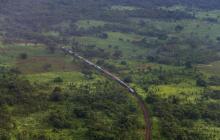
(122, 83)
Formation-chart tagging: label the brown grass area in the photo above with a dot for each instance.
(39, 64)
(144, 67)
(3, 50)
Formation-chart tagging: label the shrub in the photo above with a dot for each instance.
(128, 79)
(58, 80)
(200, 82)
(56, 95)
(58, 120)
(23, 56)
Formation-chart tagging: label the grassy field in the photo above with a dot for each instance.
(174, 8)
(86, 24)
(188, 93)
(208, 14)
(37, 60)
(9, 54)
(118, 40)
(48, 77)
(212, 131)
(123, 8)
(210, 69)
(38, 64)
(198, 28)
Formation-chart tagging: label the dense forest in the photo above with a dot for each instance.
(167, 50)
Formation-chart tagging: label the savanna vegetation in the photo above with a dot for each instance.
(168, 51)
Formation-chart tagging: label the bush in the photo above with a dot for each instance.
(4, 135)
(23, 56)
(200, 82)
(123, 63)
(56, 95)
(179, 28)
(58, 80)
(128, 79)
(103, 35)
(58, 120)
(80, 112)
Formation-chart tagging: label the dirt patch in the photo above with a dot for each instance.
(39, 64)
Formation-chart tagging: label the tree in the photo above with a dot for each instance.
(5, 117)
(179, 28)
(58, 80)
(23, 56)
(100, 62)
(4, 135)
(56, 94)
(58, 120)
(218, 38)
(51, 49)
(80, 112)
(123, 63)
(128, 79)
(103, 35)
(201, 82)
(188, 64)
(46, 67)
(117, 54)
(87, 73)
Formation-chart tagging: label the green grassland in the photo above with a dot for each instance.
(199, 13)
(213, 131)
(123, 8)
(115, 39)
(51, 33)
(174, 8)
(198, 28)
(208, 14)
(50, 76)
(9, 54)
(215, 87)
(86, 24)
(211, 69)
(38, 59)
(187, 93)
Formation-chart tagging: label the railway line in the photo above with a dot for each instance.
(122, 83)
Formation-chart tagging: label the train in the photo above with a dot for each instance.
(122, 83)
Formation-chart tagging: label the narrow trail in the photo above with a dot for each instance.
(122, 83)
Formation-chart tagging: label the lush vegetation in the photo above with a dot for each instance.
(88, 110)
(168, 50)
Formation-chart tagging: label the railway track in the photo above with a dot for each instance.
(122, 83)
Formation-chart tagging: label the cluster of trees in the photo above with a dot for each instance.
(162, 75)
(14, 92)
(177, 119)
(13, 89)
(86, 105)
(82, 103)
(31, 20)
(175, 55)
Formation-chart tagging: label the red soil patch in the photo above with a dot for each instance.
(40, 64)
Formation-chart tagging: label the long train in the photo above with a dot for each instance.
(131, 90)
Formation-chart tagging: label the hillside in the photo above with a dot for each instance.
(168, 51)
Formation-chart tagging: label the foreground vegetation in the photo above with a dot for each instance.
(70, 111)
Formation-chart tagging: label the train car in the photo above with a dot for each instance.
(132, 90)
(101, 69)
